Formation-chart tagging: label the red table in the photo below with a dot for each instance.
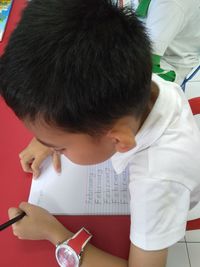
(111, 233)
(14, 188)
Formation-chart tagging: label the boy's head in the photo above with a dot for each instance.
(79, 66)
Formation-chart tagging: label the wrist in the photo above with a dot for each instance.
(57, 233)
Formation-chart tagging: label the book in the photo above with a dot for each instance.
(5, 8)
(81, 190)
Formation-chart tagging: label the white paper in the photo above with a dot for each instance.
(79, 190)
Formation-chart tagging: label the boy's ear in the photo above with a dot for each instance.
(124, 139)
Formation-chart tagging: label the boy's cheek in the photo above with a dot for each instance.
(86, 159)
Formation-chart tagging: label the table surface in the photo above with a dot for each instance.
(15, 186)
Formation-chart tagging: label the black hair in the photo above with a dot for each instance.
(78, 64)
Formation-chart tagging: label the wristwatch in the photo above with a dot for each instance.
(68, 253)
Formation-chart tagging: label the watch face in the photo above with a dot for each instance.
(66, 256)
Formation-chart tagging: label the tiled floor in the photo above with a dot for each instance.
(186, 253)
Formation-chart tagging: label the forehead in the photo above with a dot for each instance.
(53, 136)
(40, 127)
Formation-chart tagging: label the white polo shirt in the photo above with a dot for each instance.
(174, 28)
(164, 170)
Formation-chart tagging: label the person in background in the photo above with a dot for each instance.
(81, 81)
(173, 27)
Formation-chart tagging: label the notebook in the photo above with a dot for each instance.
(5, 7)
(81, 190)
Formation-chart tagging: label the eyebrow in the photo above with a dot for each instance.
(45, 144)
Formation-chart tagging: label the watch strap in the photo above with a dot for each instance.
(79, 240)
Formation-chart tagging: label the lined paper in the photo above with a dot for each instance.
(79, 190)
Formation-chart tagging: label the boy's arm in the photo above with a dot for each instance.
(143, 258)
(38, 224)
(137, 258)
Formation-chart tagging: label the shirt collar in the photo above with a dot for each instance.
(155, 124)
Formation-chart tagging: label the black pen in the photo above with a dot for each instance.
(13, 220)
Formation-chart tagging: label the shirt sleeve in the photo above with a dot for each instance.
(164, 21)
(159, 212)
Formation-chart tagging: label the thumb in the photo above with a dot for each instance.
(26, 207)
(35, 166)
(13, 212)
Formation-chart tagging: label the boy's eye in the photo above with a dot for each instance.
(61, 150)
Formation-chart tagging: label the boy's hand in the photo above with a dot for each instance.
(34, 154)
(38, 224)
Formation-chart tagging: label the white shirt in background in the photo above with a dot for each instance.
(174, 28)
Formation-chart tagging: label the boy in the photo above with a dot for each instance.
(78, 74)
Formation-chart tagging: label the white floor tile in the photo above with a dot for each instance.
(177, 256)
(194, 254)
(192, 89)
(193, 236)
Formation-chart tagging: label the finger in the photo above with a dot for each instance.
(35, 166)
(56, 161)
(26, 207)
(23, 154)
(26, 160)
(29, 208)
(13, 212)
(26, 165)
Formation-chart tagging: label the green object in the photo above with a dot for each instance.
(166, 75)
(142, 8)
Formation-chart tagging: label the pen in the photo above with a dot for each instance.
(13, 220)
